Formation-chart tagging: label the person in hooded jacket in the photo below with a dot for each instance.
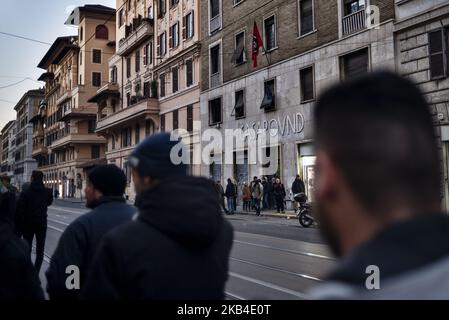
(230, 196)
(104, 191)
(7, 201)
(177, 248)
(32, 212)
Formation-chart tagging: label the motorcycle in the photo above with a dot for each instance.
(304, 213)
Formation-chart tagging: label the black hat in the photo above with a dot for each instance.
(153, 157)
(108, 179)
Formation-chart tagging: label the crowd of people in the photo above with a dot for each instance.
(377, 200)
(260, 194)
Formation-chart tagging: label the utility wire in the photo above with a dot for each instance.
(24, 38)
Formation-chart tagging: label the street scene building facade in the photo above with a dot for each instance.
(154, 78)
(24, 162)
(306, 48)
(8, 150)
(422, 42)
(75, 68)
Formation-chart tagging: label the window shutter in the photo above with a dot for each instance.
(193, 23)
(184, 33)
(170, 39)
(438, 54)
(158, 46)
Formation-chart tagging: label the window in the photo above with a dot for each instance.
(96, 79)
(236, 2)
(189, 72)
(161, 8)
(306, 20)
(239, 107)
(162, 122)
(214, 15)
(175, 80)
(188, 27)
(96, 55)
(174, 35)
(173, 3)
(128, 67)
(91, 126)
(81, 33)
(190, 118)
(269, 99)
(81, 80)
(215, 59)
(354, 64)
(128, 99)
(150, 12)
(162, 45)
(239, 50)
(137, 61)
(306, 84)
(146, 51)
(175, 119)
(270, 33)
(95, 152)
(146, 89)
(114, 75)
(137, 133)
(121, 18)
(101, 32)
(81, 58)
(353, 6)
(162, 82)
(215, 111)
(438, 46)
(126, 137)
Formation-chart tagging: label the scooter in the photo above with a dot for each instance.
(304, 213)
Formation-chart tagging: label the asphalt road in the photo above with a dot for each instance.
(272, 258)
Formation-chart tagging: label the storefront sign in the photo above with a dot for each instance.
(277, 126)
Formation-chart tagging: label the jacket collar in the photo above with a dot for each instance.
(105, 200)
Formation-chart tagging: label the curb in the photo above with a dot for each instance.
(267, 214)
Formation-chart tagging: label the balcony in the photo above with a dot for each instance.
(38, 151)
(141, 109)
(136, 34)
(78, 113)
(354, 22)
(64, 97)
(215, 23)
(110, 89)
(77, 138)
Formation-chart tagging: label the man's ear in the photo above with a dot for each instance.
(327, 175)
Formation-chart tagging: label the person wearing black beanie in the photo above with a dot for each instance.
(178, 246)
(104, 194)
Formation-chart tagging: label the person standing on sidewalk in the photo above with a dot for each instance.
(32, 211)
(8, 201)
(251, 188)
(257, 193)
(230, 195)
(221, 195)
(105, 188)
(173, 250)
(236, 193)
(297, 188)
(279, 195)
(246, 197)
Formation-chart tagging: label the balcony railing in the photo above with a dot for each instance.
(215, 80)
(135, 35)
(215, 23)
(354, 22)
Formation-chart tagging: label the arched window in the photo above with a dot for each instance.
(101, 32)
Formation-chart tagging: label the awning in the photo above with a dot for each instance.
(268, 100)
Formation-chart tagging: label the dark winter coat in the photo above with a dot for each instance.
(175, 250)
(298, 186)
(33, 203)
(279, 190)
(18, 277)
(79, 242)
(8, 207)
(230, 190)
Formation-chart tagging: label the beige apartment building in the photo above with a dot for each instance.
(154, 77)
(65, 142)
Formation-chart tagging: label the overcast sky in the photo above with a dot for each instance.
(41, 20)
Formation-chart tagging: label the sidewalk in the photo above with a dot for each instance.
(70, 200)
(289, 214)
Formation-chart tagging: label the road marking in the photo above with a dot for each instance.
(55, 208)
(56, 229)
(57, 221)
(303, 253)
(277, 269)
(47, 258)
(269, 285)
(233, 295)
